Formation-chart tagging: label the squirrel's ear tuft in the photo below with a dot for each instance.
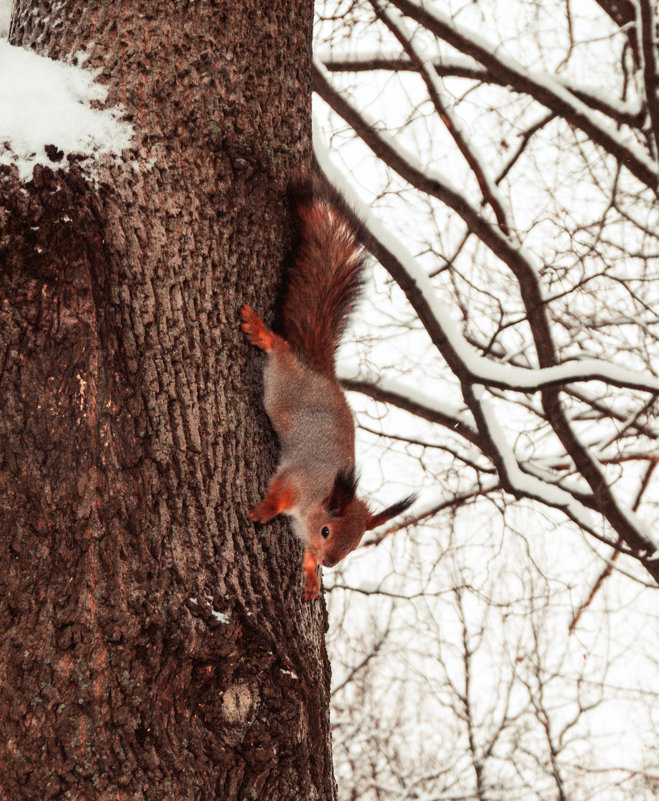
(397, 508)
(343, 491)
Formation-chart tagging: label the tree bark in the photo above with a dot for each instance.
(153, 643)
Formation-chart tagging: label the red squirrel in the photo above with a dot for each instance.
(315, 482)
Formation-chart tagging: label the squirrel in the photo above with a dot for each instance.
(316, 481)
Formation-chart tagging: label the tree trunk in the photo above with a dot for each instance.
(153, 643)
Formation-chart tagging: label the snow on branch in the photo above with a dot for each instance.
(522, 483)
(540, 86)
(625, 113)
(466, 362)
(432, 183)
(435, 90)
(411, 400)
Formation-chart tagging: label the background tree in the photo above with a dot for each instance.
(152, 643)
(504, 159)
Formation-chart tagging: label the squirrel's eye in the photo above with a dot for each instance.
(325, 532)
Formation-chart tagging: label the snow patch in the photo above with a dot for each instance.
(46, 102)
(289, 673)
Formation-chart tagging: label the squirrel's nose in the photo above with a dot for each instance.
(329, 561)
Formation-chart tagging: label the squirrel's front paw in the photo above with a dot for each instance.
(311, 583)
(311, 587)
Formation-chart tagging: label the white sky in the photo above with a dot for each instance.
(5, 16)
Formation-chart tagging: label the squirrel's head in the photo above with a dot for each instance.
(338, 524)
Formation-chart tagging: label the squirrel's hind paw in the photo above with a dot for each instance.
(257, 331)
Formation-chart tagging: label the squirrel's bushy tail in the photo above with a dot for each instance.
(326, 276)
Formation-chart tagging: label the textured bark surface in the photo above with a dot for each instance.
(153, 643)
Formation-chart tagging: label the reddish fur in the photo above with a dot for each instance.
(325, 280)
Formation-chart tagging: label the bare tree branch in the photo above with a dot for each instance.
(549, 94)
(470, 69)
(647, 47)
